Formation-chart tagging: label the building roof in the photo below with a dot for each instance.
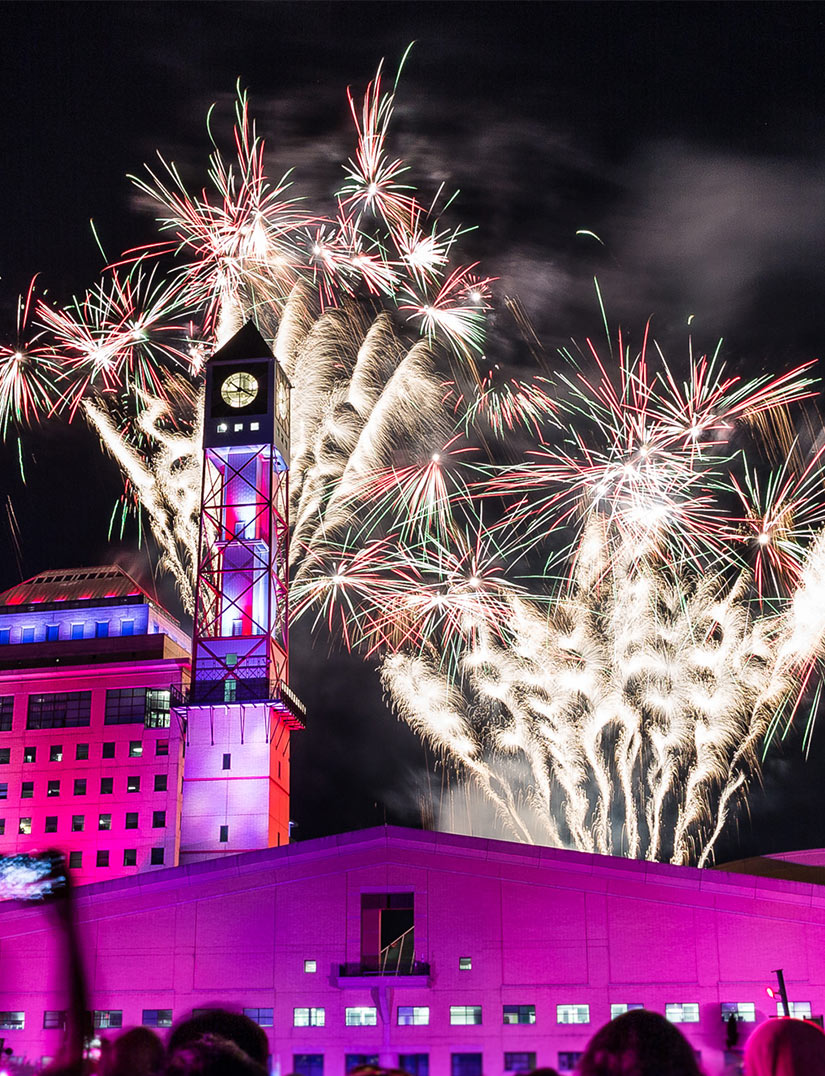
(75, 584)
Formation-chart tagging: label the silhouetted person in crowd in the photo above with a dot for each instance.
(138, 1052)
(785, 1047)
(211, 1055)
(639, 1043)
(543, 1071)
(233, 1026)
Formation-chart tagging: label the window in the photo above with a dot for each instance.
(799, 1009)
(465, 963)
(102, 1018)
(682, 1012)
(51, 824)
(127, 627)
(308, 1017)
(102, 859)
(573, 1014)
(465, 1065)
(27, 635)
(230, 685)
(415, 1064)
(125, 706)
(27, 791)
(387, 932)
(133, 784)
(107, 786)
(5, 756)
(101, 629)
(620, 1009)
(108, 750)
(227, 762)
(6, 711)
(224, 835)
(744, 1011)
(80, 786)
(160, 782)
(156, 857)
(519, 1061)
(158, 819)
(78, 823)
(77, 631)
(2, 826)
(60, 710)
(52, 633)
(308, 1064)
(4, 790)
(465, 1014)
(130, 857)
(357, 1061)
(5, 636)
(413, 1014)
(135, 749)
(81, 752)
(56, 753)
(262, 1017)
(519, 1014)
(361, 1016)
(569, 1060)
(54, 1019)
(12, 1021)
(75, 859)
(157, 708)
(310, 966)
(161, 747)
(157, 1018)
(53, 788)
(131, 820)
(30, 754)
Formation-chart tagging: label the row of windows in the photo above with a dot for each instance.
(107, 786)
(81, 751)
(72, 709)
(77, 630)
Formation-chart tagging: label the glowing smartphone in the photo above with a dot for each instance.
(32, 877)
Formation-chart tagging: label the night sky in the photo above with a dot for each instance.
(689, 137)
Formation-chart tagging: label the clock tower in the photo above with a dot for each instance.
(239, 710)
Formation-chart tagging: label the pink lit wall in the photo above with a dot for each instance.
(540, 927)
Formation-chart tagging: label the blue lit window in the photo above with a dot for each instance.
(77, 631)
(52, 633)
(5, 636)
(308, 1064)
(127, 627)
(262, 1017)
(466, 1065)
(27, 635)
(157, 1018)
(101, 629)
(415, 1064)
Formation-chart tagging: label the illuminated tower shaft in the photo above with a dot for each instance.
(239, 710)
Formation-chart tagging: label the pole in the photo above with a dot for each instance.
(780, 978)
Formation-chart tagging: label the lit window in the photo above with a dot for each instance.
(102, 1018)
(81, 752)
(30, 754)
(519, 1014)
(160, 782)
(262, 1017)
(12, 1021)
(51, 823)
(254, 425)
(230, 686)
(5, 636)
(107, 786)
(573, 1014)
(27, 635)
(162, 747)
(52, 633)
(25, 826)
(308, 1017)
(5, 756)
(4, 790)
(130, 857)
(75, 859)
(682, 1012)
(361, 1016)
(519, 1061)
(620, 1009)
(158, 819)
(102, 859)
(222, 427)
(224, 835)
(104, 821)
(238, 427)
(465, 1014)
(744, 1011)
(465, 963)
(310, 966)
(53, 788)
(131, 820)
(56, 753)
(135, 749)
(157, 1018)
(77, 631)
(80, 786)
(78, 822)
(466, 1065)
(27, 791)
(156, 857)
(413, 1014)
(799, 1009)
(127, 627)
(54, 1019)
(102, 629)
(133, 784)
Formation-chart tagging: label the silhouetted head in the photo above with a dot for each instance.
(785, 1048)
(227, 1025)
(639, 1043)
(138, 1052)
(211, 1055)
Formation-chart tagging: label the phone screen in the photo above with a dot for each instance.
(32, 877)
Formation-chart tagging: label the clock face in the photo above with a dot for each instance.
(239, 389)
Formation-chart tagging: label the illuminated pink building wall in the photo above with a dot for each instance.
(509, 944)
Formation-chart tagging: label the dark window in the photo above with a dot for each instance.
(54, 1018)
(102, 859)
(107, 1018)
(227, 762)
(5, 756)
(519, 1061)
(133, 784)
(75, 859)
(56, 753)
(6, 708)
(156, 858)
(2, 826)
(4, 790)
(158, 819)
(569, 1060)
(415, 1064)
(387, 934)
(52, 633)
(162, 747)
(78, 823)
(130, 858)
(520, 1014)
(354, 1061)
(81, 752)
(30, 754)
(51, 823)
(108, 750)
(308, 1064)
(157, 1018)
(53, 788)
(80, 786)
(125, 706)
(104, 821)
(465, 1065)
(262, 1017)
(131, 820)
(27, 791)
(107, 785)
(224, 835)
(160, 782)
(60, 710)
